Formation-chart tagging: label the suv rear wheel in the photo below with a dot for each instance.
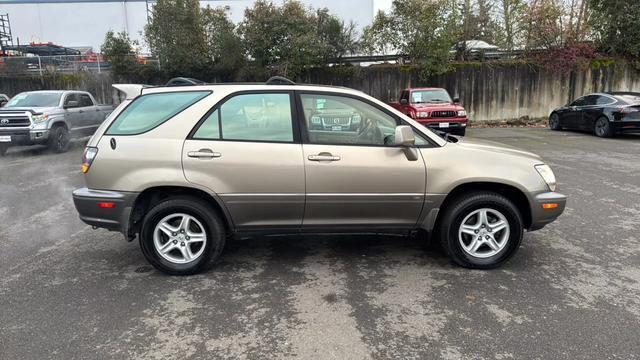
(481, 230)
(182, 236)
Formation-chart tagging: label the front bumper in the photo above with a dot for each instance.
(115, 218)
(541, 216)
(25, 136)
(444, 124)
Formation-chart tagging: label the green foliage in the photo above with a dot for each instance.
(119, 50)
(422, 30)
(224, 45)
(289, 38)
(616, 25)
(175, 33)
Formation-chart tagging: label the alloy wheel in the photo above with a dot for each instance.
(484, 233)
(179, 238)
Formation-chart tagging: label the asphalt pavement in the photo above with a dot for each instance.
(572, 291)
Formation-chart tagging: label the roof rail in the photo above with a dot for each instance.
(183, 81)
(279, 80)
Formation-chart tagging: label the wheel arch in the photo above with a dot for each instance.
(153, 195)
(520, 200)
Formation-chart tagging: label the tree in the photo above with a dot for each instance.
(119, 50)
(224, 46)
(512, 12)
(616, 25)
(290, 37)
(424, 31)
(381, 37)
(337, 37)
(175, 34)
(544, 25)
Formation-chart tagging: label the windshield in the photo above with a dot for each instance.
(430, 96)
(35, 99)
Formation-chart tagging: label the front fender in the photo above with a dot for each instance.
(56, 120)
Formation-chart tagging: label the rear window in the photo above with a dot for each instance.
(150, 110)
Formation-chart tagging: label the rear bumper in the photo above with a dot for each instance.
(541, 216)
(626, 126)
(115, 218)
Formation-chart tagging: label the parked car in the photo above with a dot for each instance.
(604, 114)
(433, 108)
(185, 168)
(49, 118)
(4, 99)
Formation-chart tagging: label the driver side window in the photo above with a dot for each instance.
(341, 120)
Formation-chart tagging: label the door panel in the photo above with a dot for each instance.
(245, 150)
(261, 184)
(374, 186)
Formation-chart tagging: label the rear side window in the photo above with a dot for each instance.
(250, 117)
(150, 110)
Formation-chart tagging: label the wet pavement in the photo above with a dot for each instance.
(572, 291)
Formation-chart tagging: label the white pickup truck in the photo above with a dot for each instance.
(49, 118)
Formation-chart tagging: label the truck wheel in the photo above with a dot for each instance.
(481, 230)
(602, 127)
(59, 139)
(460, 132)
(3, 149)
(182, 236)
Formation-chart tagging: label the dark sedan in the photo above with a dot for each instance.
(604, 114)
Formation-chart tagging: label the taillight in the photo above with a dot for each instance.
(90, 153)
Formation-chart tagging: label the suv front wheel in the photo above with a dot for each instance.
(182, 236)
(481, 230)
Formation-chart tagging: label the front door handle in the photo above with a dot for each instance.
(204, 154)
(324, 156)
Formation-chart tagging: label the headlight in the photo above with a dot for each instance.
(422, 114)
(39, 118)
(355, 119)
(547, 175)
(462, 113)
(315, 120)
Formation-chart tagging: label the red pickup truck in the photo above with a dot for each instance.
(434, 108)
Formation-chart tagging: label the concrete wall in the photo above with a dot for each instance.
(491, 92)
(488, 92)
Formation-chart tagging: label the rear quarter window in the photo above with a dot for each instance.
(150, 110)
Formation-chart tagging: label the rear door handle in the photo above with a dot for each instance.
(324, 156)
(204, 154)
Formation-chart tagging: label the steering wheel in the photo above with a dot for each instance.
(369, 132)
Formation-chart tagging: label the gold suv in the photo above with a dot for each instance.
(186, 168)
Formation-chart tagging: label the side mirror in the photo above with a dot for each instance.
(404, 101)
(404, 137)
(456, 100)
(71, 104)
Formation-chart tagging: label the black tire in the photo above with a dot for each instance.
(59, 139)
(3, 149)
(602, 127)
(554, 122)
(466, 204)
(460, 132)
(212, 227)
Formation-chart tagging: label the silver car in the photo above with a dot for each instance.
(187, 168)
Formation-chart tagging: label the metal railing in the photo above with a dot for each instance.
(30, 65)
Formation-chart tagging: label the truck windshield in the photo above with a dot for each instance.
(39, 99)
(430, 96)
